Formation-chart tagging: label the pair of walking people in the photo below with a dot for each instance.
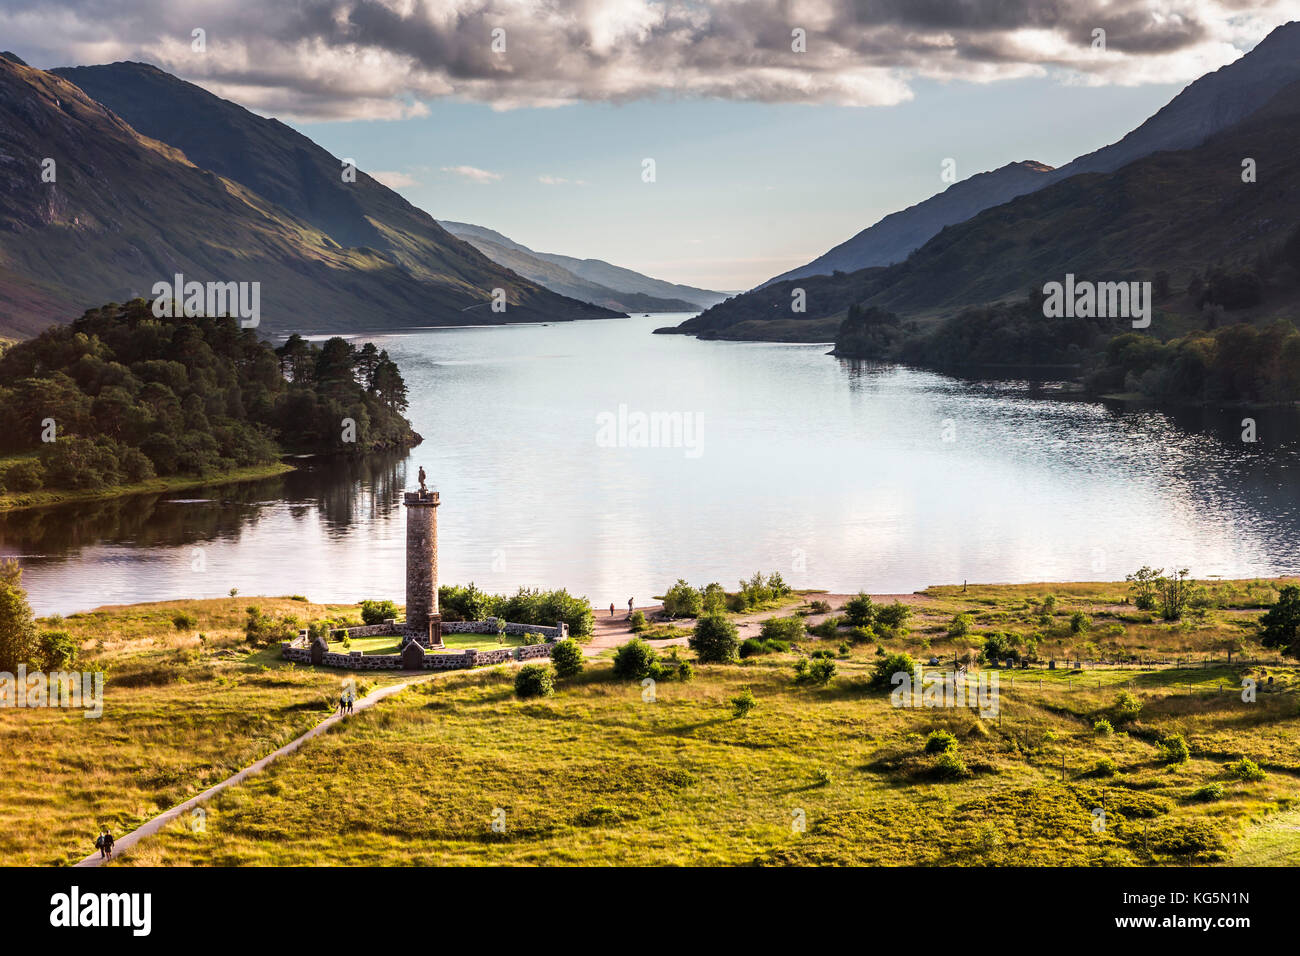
(345, 702)
(104, 844)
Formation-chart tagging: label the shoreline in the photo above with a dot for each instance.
(49, 497)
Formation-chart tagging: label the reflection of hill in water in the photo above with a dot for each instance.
(337, 489)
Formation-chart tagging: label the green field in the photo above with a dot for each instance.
(599, 774)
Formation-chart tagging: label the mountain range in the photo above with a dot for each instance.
(1210, 104)
(591, 280)
(95, 206)
(1167, 197)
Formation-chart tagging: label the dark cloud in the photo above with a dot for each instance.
(382, 57)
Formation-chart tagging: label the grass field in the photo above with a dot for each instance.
(600, 774)
(388, 644)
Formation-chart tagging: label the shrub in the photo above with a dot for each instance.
(566, 658)
(859, 635)
(638, 622)
(822, 777)
(940, 742)
(532, 639)
(786, 629)
(1079, 622)
(1126, 708)
(1208, 793)
(713, 599)
(682, 600)
(377, 612)
(56, 650)
(753, 646)
(25, 475)
(743, 703)
(1103, 728)
(893, 615)
(262, 629)
(184, 621)
(885, 669)
(818, 671)
(534, 680)
(1245, 769)
(685, 672)
(1174, 749)
(634, 660)
(467, 603)
(714, 639)
(827, 628)
(960, 625)
(820, 607)
(1105, 767)
(860, 611)
(949, 766)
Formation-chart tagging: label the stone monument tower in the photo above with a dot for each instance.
(422, 618)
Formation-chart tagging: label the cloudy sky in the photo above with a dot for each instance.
(778, 127)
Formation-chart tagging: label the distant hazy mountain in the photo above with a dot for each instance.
(894, 237)
(578, 274)
(1210, 104)
(543, 270)
(231, 196)
(1175, 211)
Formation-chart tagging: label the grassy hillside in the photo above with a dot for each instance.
(125, 211)
(1173, 212)
(596, 774)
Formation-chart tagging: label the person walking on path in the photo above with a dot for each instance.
(99, 843)
(629, 609)
(611, 608)
(343, 701)
(350, 700)
(106, 851)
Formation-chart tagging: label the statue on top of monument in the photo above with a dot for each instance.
(423, 489)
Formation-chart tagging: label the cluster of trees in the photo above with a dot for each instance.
(21, 642)
(683, 600)
(121, 396)
(526, 606)
(871, 333)
(1236, 363)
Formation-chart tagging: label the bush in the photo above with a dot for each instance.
(377, 612)
(714, 639)
(534, 680)
(682, 600)
(940, 742)
(743, 703)
(184, 621)
(753, 646)
(785, 629)
(819, 607)
(860, 611)
(817, 671)
(1174, 749)
(685, 672)
(713, 599)
(1245, 769)
(56, 650)
(885, 669)
(466, 603)
(634, 660)
(827, 628)
(960, 625)
(262, 629)
(1079, 622)
(1103, 728)
(893, 615)
(1208, 793)
(950, 767)
(566, 658)
(26, 475)
(638, 622)
(1105, 767)
(1126, 708)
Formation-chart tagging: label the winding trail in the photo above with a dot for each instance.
(155, 825)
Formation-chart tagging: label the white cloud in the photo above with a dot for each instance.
(393, 179)
(547, 180)
(473, 173)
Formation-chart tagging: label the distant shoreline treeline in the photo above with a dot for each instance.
(121, 396)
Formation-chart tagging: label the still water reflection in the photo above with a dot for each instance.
(838, 475)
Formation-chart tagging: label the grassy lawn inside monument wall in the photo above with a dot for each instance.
(389, 644)
(597, 774)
